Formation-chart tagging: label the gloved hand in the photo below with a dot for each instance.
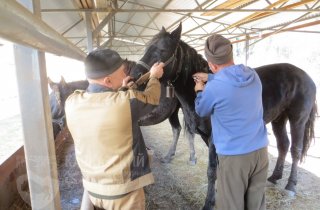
(200, 76)
(127, 82)
(199, 86)
(157, 70)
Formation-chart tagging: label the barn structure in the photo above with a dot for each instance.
(74, 28)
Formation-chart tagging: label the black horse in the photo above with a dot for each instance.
(288, 94)
(168, 109)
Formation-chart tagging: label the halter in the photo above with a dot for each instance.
(165, 63)
(171, 59)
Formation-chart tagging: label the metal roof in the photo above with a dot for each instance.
(127, 25)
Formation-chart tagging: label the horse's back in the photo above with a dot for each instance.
(285, 87)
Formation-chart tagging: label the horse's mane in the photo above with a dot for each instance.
(192, 61)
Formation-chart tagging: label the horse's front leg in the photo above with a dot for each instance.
(192, 158)
(212, 176)
(176, 129)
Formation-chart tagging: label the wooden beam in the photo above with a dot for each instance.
(317, 22)
(230, 4)
(266, 14)
(248, 18)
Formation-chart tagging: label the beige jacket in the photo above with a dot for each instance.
(109, 145)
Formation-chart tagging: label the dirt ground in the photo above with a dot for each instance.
(182, 186)
(190, 182)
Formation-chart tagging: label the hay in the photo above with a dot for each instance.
(179, 185)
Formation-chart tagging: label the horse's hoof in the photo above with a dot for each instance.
(207, 207)
(272, 180)
(192, 162)
(167, 159)
(290, 190)
(290, 194)
(270, 184)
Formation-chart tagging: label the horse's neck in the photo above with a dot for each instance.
(78, 85)
(192, 62)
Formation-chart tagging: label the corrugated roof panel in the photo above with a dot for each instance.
(66, 20)
(166, 19)
(142, 18)
(151, 3)
(186, 4)
(128, 25)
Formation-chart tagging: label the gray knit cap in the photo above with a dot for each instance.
(218, 50)
(101, 63)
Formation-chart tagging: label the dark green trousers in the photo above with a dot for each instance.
(241, 181)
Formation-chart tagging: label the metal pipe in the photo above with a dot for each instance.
(108, 10)
(19, 25)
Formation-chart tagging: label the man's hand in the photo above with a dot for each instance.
(199, 86)
(200, 76)
(127, 82)
(157, 70)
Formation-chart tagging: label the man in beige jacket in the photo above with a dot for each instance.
(103, 121)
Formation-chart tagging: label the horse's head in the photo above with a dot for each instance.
(162, 48)
(58, 96)
(129, 67)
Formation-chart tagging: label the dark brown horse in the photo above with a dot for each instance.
(288, 95)
(57, 98)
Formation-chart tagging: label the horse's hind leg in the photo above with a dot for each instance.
(280, 132)
(176, 129)
(212, 176)
(192, 158)
(297, 134)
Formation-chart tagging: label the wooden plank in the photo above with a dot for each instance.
(317, 22)
(230, 4)
(246, 19)
(266, 14)
(12, 169)
(37, 128)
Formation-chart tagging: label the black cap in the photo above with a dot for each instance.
(101, 63)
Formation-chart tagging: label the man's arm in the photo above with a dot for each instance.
(204, 102)
(145, 101)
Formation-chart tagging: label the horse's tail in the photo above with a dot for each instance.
(309, 132)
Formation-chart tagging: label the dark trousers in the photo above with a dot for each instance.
(241, 181)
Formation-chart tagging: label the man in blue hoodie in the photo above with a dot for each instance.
(232, 96)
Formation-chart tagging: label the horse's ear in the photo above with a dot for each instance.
(63, 82)
(163, 30)
(50, 82)
(176, 34)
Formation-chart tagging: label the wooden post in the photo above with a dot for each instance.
(247, 49)
(89, 31)
(86, 203)
(37, 126)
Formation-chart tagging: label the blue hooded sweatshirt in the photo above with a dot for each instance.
(233, 98)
